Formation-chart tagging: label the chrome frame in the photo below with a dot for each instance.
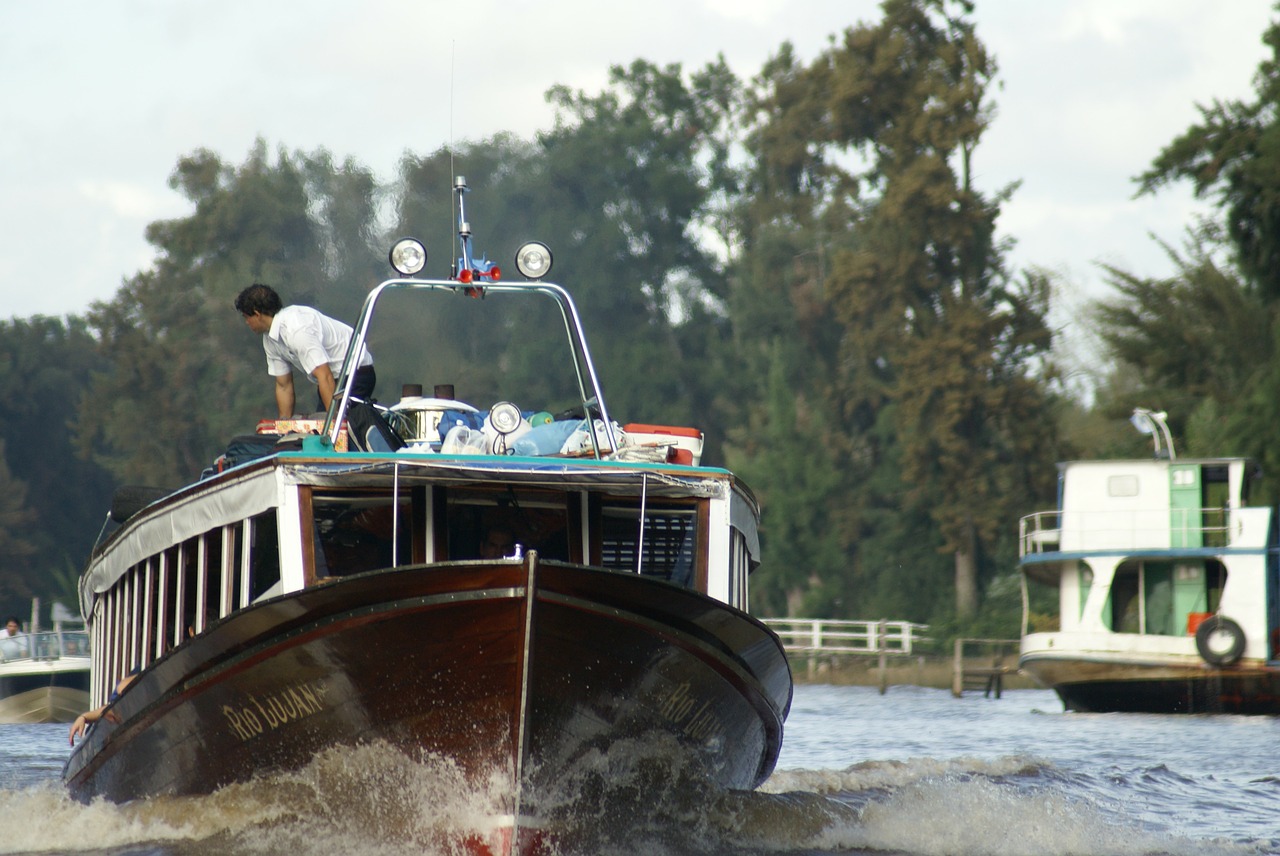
(584, 367)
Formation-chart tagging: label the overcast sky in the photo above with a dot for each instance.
(99, 99)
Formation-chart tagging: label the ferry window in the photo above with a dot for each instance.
(1157, 588)
(355, 533)
(264, 554)
(488, 524)
(175, 630)
(666, 541)
(188, 568)
(233, 538)
(1125, 601)
(214, 571)
(1122, 486)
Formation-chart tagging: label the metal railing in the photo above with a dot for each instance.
(51, 645)
(830, 636)
(1154, 528)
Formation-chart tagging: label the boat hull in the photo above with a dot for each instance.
(513, 666)
(1152, 687)
(35, 691)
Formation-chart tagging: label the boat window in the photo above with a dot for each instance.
(1164, 598)
(1122, 485)
(666, 541)
(264, 554)
(487, 524)
(189, 569)
(1157, 591)
(214, 573)
(1125, 603)
(358, 532)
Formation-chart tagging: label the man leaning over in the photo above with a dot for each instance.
(304, 338)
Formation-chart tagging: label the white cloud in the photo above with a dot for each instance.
(99, 101)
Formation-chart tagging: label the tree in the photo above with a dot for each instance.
(181, 375)
(1201, 346)
(931, 321)
(15, 547)
(1233, 153)
(58, 500)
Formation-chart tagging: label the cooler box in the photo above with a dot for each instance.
(301, 426)
(685, 444)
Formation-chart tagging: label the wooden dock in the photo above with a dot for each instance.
(983, 664)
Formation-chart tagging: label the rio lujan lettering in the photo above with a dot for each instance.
(257, 714)
(698, 722)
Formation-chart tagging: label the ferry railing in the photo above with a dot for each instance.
(831, 636)
(49, 645)
(1127, 529)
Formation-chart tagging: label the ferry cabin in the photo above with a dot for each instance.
(300, 519)
(1139, 553)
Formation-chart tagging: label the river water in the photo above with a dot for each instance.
(913, 771)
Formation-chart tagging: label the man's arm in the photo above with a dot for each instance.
(284, 395)
(325, 380)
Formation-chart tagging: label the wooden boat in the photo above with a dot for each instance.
(316, 597)
(44, 675)
(1153, 588)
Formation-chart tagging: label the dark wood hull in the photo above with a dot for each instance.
(510, 666)
(1117, 688)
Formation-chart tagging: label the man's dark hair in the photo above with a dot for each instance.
(259, 298)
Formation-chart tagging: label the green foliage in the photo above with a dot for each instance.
(798, 265)
(1233, 154)
(54, 503)
(919, 320)
(181, 374)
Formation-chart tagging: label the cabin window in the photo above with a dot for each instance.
(358, 532)
(264, 554)
(1159, 598)
(663, 545)
(213, 573)
(739, 569)
(1122, 485)
(482, 523)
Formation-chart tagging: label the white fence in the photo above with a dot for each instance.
(828, 636)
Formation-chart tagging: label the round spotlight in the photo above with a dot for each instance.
(408, 256)
(505, 417)
(533, 260)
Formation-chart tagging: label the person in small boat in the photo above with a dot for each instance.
(84, 720)
(303, 338)
(12, 641)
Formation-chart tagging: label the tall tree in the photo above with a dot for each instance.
(45, 364)
(932, 321)
(181, 373)
(15, 547)
(1232, 154)
(1201, 344)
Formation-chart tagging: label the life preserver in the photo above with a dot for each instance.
(1219, 640)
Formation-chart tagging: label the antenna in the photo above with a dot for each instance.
(453, 209)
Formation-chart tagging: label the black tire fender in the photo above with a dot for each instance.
(1219, 640)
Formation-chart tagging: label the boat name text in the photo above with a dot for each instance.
(257, 714)
(698, 722)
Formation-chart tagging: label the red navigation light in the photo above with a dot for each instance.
(495, 272)
(465, 276)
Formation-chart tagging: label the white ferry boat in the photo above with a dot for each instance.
(1162, 587)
